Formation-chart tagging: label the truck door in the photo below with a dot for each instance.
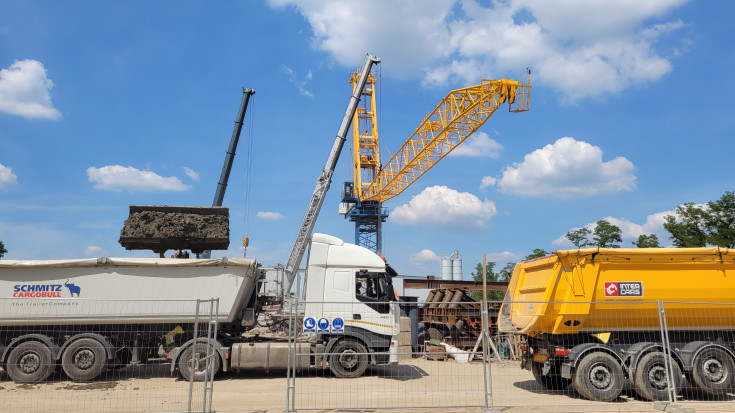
(375, 307)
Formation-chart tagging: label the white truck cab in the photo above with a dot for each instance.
(349, 286)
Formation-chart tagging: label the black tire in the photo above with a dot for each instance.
(551, 381)
(598, 377)
(348, 359)
(84, 359)
(30, 362)
(713, 372)
(185, 363)
(650, 377)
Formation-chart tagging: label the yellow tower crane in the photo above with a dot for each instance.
(455, 118)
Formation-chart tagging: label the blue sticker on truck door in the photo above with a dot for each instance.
(623, 289)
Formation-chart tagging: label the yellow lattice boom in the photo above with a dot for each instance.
(459, 115)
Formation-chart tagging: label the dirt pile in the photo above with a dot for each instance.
(161, 228)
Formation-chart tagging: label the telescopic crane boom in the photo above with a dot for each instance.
(219, 194)
(325, 179)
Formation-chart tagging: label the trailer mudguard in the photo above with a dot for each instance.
(55, 351)
(102, 339)
(576, 353)
(224, 353)
(690, 351)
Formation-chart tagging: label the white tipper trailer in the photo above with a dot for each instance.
(87, 316)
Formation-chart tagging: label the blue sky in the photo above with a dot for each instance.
(109, 104)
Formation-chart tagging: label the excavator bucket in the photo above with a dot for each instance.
(160, 228)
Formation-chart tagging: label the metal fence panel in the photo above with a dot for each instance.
(434, 370)
(74, 361)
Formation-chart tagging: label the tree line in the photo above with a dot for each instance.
(693, 225)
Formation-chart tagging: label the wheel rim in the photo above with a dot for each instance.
(714, 372)
(29, 363)
(600, 377)
(84, 359)
(348, 359)
(199, 362)
(657, 377)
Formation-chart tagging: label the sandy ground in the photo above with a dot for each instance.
(417, 385)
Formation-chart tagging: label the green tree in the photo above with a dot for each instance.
(647, 241)
(720, 221)
(579, 237)
(3, 251)
(506, 272)
(688, 227)
(537, 253)
(607, 235)
(490, 276)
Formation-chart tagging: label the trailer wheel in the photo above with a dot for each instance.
(199, 363)
(348, 359)
(30, 362)
(598, 377)
(552, 380)
(650, 377)
(713, 371)
(84, 360)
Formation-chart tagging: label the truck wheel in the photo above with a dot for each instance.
(199, 364)
(650, 377)
(29, 362)
(713, 371)
(598, 377)
(348, 359)
(552, 380)
(84, 360)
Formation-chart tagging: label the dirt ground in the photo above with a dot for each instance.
(417, 385)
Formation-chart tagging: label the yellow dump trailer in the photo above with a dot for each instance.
(595, 317)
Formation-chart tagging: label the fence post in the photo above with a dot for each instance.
(193, 354)
(291, 361)
(487, 377)
(667, 352)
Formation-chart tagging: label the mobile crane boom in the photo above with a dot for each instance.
(219, 194)
(325, 179)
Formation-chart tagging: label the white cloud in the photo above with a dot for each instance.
(300, 84)
(478, 145)
(487, 181)
(7, 176)
(504, 256)
(445, 207)
(118, 178)
(95, 251)
(424, 256)
(24, 91)
(580, 48)
(408, 36)
(191, 174)
(269, 216)
(566, 169)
